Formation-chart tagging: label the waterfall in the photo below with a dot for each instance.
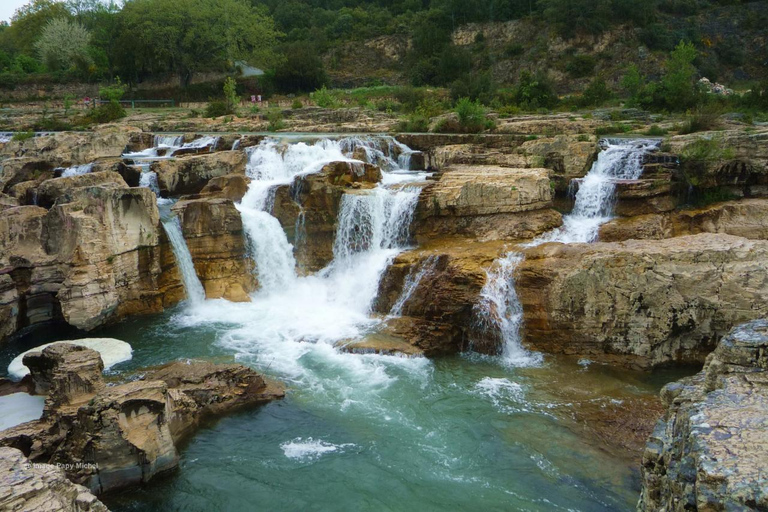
(499, 309)
(412, 282)
(168, 141)
(500, 313)
(379, 219)
(6, 137)
(149, 179)
(164, 146)
(172, 225)
(77, 170)
(236, 145)
(595, 198)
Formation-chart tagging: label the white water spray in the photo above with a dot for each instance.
(412, 282)
(77, 170)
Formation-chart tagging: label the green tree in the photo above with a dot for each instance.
(187, 36)
(678, 86)
(30, 20)
(63, 44)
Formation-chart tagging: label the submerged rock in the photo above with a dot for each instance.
(710, 449)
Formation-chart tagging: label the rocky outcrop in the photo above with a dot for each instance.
(110, 437)
(40, 487)
(747, 218)
(488, 203)
(51, 190)
(188, 175)
(641, 303)
(437, 317)
(213, 230)
(309, 208)
(73, 148)
(94, 257)
(709, 450)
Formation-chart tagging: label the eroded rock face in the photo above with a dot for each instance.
(747, 218)
(488, 203)
(94, 257)
(188, 175)
(213, 230)
(110, 437)
(40, 487)
(642, 303)
(52, 190)
(437, 318)
(709, 450)
(308, 209)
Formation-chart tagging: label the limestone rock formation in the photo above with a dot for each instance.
(110, 437)
(747, 218)
(642, 303)
(311, 204)
(188, 175)
(31, 487)
(213, 230)
(487, 202)
(51, 190)
(709, 451)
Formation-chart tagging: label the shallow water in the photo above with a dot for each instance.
(367, 432)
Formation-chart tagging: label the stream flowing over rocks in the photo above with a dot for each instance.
(461, 321)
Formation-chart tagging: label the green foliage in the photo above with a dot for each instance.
(22, 136)
(580, 66)
(533, 92)
(300, 69)
(324, 98)
(705, 150)
(595, 94)
(63, 44)
(275, 119)
(678, 86)
(217, 108)
(297, 104)
(106, 113)
(655, 131)
(230, 94)
(472, 116)
(113, 92)
(613, 129)
(51, 124)
(704, 118)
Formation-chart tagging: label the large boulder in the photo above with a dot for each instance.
(709, 451)
(188, 175)
(487, 202)
(642, 303)
(40, 487)
(57, 189)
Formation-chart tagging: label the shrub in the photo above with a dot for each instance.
(217, 108)
(595, 94)
(655, 131)
(580, 66)
(472, 116)
(230, 94)
(106, 113)
(534, 92)
(415, 123)
(613, 129)
(275, 119)
(324, 98)
(22, 136)
(704, 118)
(297, 104)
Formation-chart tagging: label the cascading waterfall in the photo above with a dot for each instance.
(6, 137)
(595, 197)
(499, 307)
(164, 146)
(172, 226)
(77, 170)
(412, 282)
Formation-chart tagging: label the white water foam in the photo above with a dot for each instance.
(112, 352)
(506, 396)
(310, 449)
(77, 170)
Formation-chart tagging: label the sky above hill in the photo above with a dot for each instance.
(8, 7)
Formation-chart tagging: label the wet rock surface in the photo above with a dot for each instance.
(110, 437)
(709, 451)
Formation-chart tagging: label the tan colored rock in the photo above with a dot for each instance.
(68, 374)
(7, 202)
(74, 148)
(188, 175)
(487, 203)
(231, 186)
(51, 191)
(25, 169)
(31, 487)
(213, 230)
(747, 218)
(708, 452)
(641, 303)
